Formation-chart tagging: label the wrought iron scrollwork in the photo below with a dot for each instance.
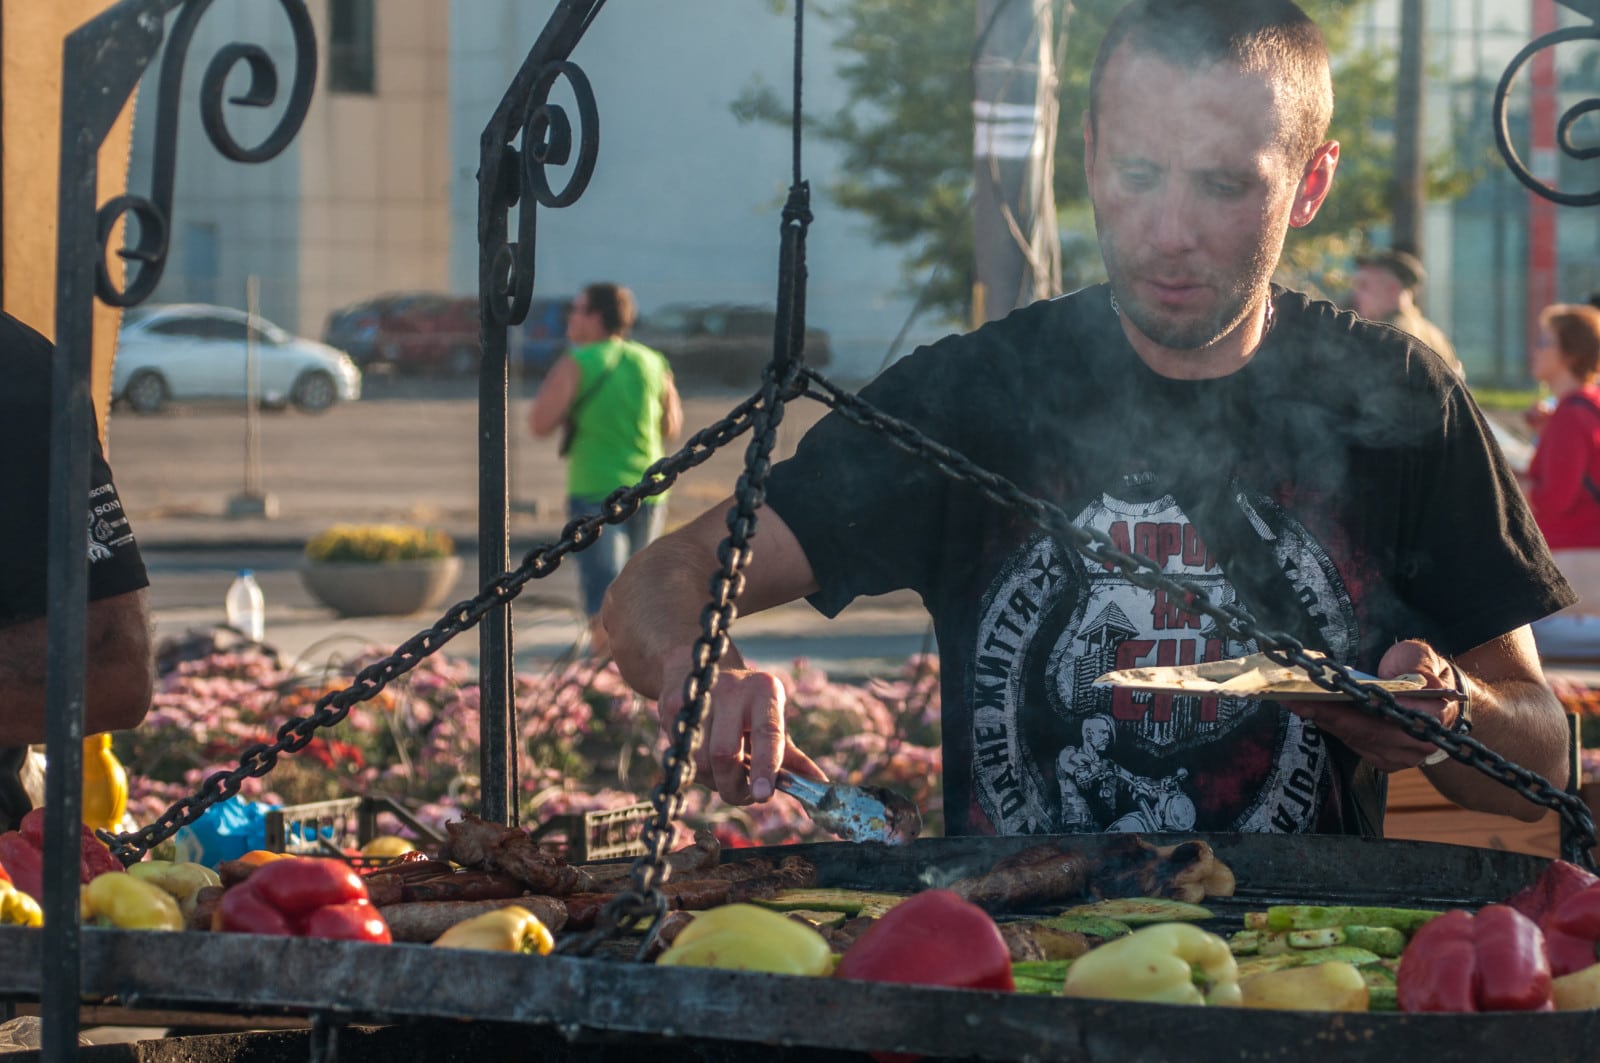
(153, 213)
(547, 141)
(1502, 129)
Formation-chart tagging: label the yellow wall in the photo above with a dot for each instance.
(31, 33)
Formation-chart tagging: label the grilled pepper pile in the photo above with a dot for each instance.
(128, 903)
(1168, 963)
(303, 897)
(22, 854)
(511, 929)
(1572, 932)
(933, 938)
(182, 880)
(747, 938)
(1492, 961)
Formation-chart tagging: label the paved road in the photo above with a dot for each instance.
(408, 453)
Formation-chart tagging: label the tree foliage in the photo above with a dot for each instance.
(905, 137)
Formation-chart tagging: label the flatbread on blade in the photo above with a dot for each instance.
(1254, 676)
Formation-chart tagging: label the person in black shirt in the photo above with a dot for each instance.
(1330, 474)
(120, 671)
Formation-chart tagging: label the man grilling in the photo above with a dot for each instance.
(1332, 476)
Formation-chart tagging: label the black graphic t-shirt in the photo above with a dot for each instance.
(115, 566)
(1342, 486)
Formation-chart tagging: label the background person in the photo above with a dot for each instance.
(1562, 479)
(617, 400)
(1304, 462)
(120, 674)
(1385, 289)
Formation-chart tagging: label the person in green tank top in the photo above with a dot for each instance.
(619, 405)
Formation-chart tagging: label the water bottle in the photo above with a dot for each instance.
(245, 606)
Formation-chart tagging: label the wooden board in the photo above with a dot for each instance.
(1419, 812)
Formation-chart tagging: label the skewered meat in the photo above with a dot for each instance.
(1033, 876)
(700, 893)
(424, 921)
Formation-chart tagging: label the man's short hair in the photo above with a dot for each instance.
(1256, 36)
(1403, 265)
(1576, 328)
(614, 304)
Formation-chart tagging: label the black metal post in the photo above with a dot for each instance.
(508, 177)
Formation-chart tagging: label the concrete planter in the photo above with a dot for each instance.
(383, 588)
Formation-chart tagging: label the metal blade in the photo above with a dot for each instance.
(856, 813)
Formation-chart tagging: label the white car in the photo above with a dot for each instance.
(195, 351)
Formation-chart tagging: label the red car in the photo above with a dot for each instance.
(413, 332)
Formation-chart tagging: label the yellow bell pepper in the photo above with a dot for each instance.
(1168, 963)
(1322, 987)
(387, 845)
(181, 880)
(510, 929)
(121, 900)
(1578, 991)
(17, 908)
(105, 784)
(747, 938)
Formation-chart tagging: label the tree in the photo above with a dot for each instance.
(906, 138)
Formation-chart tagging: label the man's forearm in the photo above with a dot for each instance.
(1522, 721)
(652, 610)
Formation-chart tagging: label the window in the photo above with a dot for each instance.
(351, 64)
(192, 328)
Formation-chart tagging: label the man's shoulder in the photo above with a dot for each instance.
(26, 356)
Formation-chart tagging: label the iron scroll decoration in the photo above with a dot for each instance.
(1564, 127)
(148, 256)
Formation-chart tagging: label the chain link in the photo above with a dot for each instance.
(1234, 620)
(333, 707)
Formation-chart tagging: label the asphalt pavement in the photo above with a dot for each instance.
(407, 453)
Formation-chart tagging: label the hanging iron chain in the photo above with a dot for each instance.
(333, 707)
(645, 899)
(1232, 620)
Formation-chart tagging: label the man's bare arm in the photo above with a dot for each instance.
(671, 410)
(120, 671)
(652, 615)
(1515, 714)
(555, 397)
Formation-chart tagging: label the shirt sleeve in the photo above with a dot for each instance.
(115, 565)
(1475, 562)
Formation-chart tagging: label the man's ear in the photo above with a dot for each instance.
(1315, 184)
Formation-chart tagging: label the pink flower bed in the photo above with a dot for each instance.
(586, 742)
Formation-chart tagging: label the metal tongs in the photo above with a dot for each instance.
(855, 813)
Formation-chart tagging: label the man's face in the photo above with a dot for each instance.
(1376, 292)
(1193, 194)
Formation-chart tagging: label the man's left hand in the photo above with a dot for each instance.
(1379, 742)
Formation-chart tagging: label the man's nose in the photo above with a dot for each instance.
(1175, 221)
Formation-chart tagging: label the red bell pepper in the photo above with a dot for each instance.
(932, 938)
(303, 897)
(22, 853)
(1558, 881)
(1494, 961)
(1572, 932)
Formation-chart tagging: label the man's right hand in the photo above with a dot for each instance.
(744, 740)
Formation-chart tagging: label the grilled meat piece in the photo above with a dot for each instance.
(792, 873)
(423, 921)
(667, 932)
(462, 886)
(388, 885)
(842, 937)
(1189, 871)
(476, 842)
(1031, 877)
(206, 899)
(1029, 942)
(703, 854)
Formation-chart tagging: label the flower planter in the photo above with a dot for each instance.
(381, 588)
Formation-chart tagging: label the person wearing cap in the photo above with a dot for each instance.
(1385, 289)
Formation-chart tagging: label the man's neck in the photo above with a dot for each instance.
(1226, 355)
